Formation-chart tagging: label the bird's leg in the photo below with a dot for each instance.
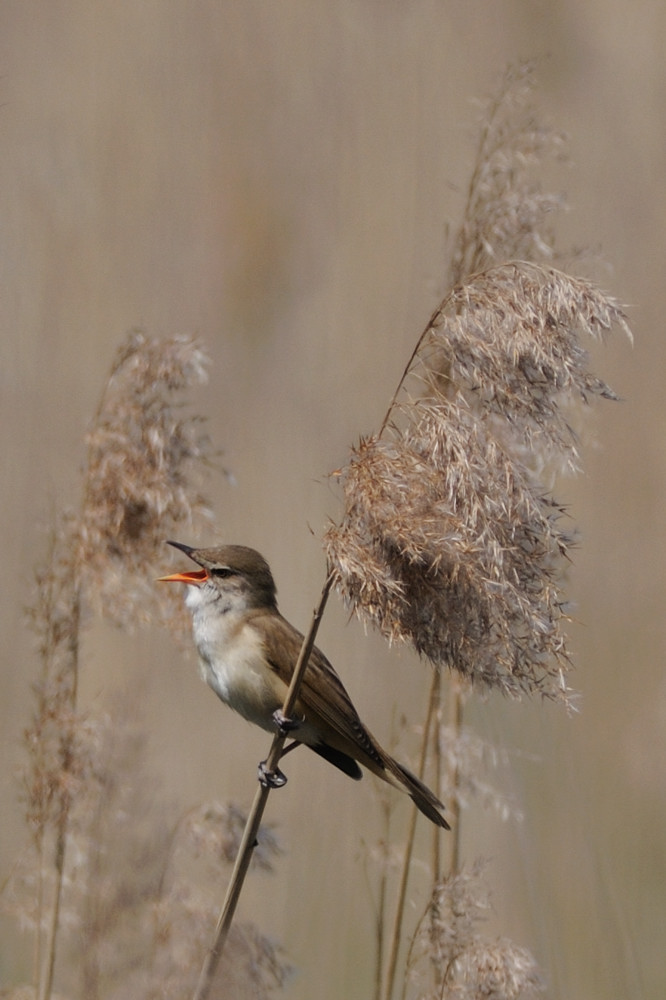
(275, 779)
(271, 779)
(285, 725)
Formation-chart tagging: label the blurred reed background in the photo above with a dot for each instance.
(281, 179)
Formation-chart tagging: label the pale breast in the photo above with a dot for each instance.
(233, 664)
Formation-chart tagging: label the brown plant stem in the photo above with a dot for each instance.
(68, 763)
(438, 696)
(249, 839)
(409, 850)
(37, 950)
(408, 367)
(380, 922)
(456, 705)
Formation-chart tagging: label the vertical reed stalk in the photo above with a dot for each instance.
(68, 763)
(456, 705)
(249, 839)
(139, 483)
(436, 864)
(380, 923)
(409, 850)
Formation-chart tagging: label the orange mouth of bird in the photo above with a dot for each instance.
(196, 577)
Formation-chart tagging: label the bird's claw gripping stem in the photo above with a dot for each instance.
(271, 779)
(284, 723)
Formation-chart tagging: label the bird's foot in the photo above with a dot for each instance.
(284, 723)
(271, 779)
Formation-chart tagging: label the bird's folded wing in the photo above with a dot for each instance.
(322, 691)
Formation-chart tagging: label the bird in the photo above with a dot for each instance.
(247, 654)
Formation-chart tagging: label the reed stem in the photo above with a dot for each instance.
(409, 850)
(249, 839)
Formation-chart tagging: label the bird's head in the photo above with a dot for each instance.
(233, 570)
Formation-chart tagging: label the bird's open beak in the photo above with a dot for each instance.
(196, 577)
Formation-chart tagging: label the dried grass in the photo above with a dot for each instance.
(448, 539)
(146, 457)
(111, 886)
(451, 540)
(507, 215)
(469, 964)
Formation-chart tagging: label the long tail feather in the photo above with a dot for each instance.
(422, 797)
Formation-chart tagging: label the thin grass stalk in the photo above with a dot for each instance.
(380, 923)
(48, 969)
(400, 908)
(436, 770)
(238, 874)
(433, 700)
(456, 707)
(409, 851)
(436, 864)
(410, 949)
(408, 367)
(37, 949)
(249, 839)
(46, 966)
(437, 697)
(135, 483)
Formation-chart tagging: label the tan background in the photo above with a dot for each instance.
(279, 178)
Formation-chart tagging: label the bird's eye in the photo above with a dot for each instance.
(221, 572)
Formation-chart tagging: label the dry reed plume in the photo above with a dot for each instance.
(507, 214)
(473, 965)
(451, 540)
(146, 456)
(448, 540)
(108, 889)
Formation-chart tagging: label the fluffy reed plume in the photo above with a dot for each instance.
(137, 910)
(101, 886)
(140, 907)
(140, 483)
(506, 214)
(470, 965)
(448, 540)
(146, 455)
(478, 766)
